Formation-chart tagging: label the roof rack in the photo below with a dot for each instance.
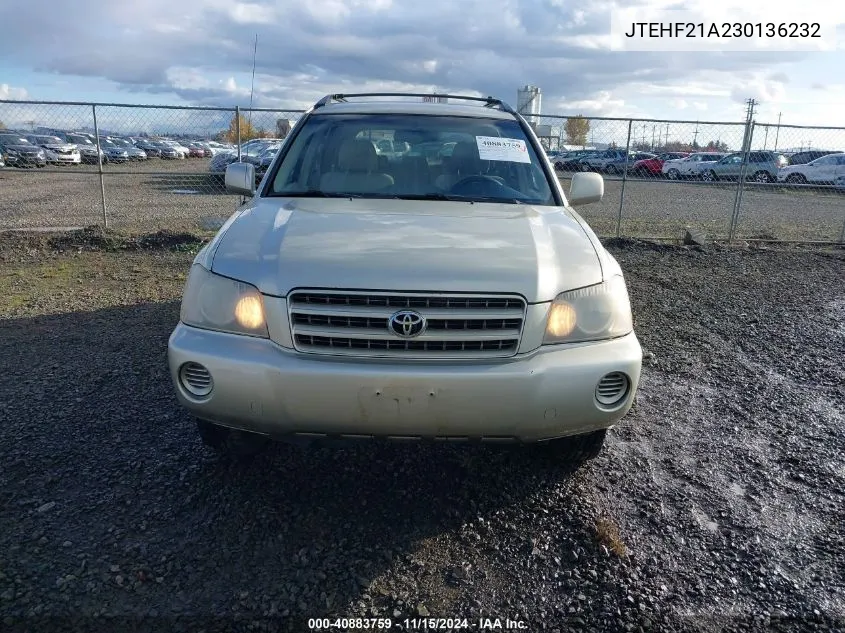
(489, 102)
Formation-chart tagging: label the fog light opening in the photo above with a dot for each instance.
(195, 379)
(613, 389)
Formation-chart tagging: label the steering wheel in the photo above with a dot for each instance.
(476, 178)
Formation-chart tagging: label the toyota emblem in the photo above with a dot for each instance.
(407, 324)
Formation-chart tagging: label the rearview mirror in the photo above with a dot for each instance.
(585, 188)
(240, 179)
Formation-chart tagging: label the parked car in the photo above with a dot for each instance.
(600, 160)
(2, 158)
(56, 151)
(343, 300)
(195, 150)
(135, 153)
(567, 161)
(168, 151)
(264, 159)
(653, 166)
(150, 148)
(617, 165)
(253, 148)
(823, 171)
(762, 167)
(689, 167)
(87, 147)
(802, 158)
(19, 152)
(181, 152)
(115, 153)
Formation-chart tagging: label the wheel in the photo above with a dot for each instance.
(559, 166)
(673, 174)
(797, 179)
(575, 450)
(231, 442)
(585, 167)
(612, 169)
(762, 176)
(709, 176)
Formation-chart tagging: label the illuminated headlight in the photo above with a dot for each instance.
(594, 313)
(219, 303)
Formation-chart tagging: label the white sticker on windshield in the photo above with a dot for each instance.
(511, 150)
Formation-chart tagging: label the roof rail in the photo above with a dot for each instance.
(489, 102)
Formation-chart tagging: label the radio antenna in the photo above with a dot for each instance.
(252, 87)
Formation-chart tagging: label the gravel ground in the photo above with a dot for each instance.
(181, 195)
(717, 504)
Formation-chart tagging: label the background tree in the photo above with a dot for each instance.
(717, 146)
(247, 130)
(577, 128)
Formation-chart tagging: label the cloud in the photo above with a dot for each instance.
(200, 52)
(12, 93)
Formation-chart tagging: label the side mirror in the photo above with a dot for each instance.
(240, 179)
(585, 188)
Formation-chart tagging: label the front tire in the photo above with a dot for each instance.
(796, 179)
(231, 442)
(762, 177)
(709, 176)
(673, 174)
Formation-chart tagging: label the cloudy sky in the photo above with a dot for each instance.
(200, 52)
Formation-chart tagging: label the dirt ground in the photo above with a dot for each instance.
(718, 503)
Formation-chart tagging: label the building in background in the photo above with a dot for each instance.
(528, 103)
(435, 99)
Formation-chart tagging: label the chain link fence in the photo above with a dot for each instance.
(162, 167)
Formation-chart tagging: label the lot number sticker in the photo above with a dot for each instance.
(511, 150)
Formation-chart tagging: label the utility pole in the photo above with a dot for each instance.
(653, 132)
(666, 141)
(777, 132)
(695, 136)
(746, 147)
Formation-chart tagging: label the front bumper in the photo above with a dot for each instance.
(262, 387)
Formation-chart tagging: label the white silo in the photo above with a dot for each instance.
(528, 103)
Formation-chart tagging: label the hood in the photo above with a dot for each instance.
(23, 148)
(279, 244)
(59, 146)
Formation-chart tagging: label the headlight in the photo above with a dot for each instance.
(594, 313)
(41, 154)
(219, 303)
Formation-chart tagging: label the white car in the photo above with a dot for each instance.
(352, 297)
(181, 150)
(691, 166)
(57, 151)
(824, 170)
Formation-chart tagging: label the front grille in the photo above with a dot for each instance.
(358, 324)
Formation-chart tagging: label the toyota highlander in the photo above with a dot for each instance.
(460, 298)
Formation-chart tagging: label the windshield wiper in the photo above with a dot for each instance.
(312, 193)
(430, 196)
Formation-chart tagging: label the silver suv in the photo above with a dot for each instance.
(442, 295)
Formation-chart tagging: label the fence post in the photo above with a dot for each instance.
(842, 235)
(624, 180)
(746, 149)
(238, 130)
(100, 166)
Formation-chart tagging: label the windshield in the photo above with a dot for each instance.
(73, 138)
(13, 140)
(441, 157)
(47, 140)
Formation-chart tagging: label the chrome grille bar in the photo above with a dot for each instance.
(357, 323)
